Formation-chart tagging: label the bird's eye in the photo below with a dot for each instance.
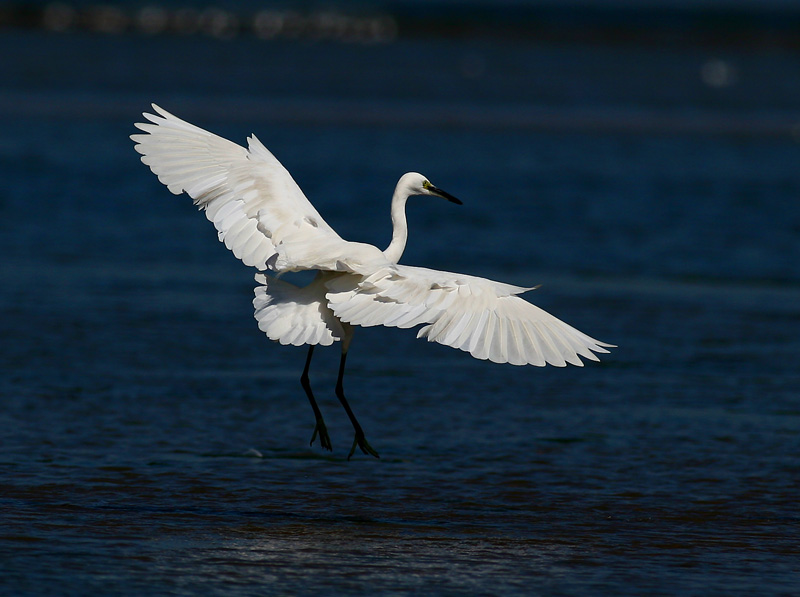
(426, 184)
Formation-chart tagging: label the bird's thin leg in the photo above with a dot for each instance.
(359, 440)
(324, 438)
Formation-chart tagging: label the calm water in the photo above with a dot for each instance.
(154, 442)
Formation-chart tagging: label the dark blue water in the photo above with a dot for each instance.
(155, 442)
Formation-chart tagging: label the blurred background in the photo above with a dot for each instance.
(637, 159)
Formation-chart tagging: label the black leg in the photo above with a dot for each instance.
(359, 440)
(324, 439)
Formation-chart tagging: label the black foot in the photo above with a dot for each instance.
(362, 443)
(324, 438)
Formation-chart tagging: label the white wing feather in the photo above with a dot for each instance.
(473, 314)
(259, 211)
(292, 315)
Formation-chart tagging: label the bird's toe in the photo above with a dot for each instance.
(324, 438)
(362, 443)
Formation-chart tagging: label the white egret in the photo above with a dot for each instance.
(265, 219)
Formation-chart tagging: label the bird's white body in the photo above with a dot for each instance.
(261, 215)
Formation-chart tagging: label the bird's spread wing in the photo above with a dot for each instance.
(473, 314)
(292, 315)
(258, 209)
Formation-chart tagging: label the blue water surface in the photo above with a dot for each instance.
(155, 442)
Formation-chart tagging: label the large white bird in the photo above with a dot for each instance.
(265, 219)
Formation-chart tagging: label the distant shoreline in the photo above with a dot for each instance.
(756, 25)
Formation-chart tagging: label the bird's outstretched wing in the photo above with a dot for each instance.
(473, 314)
(259, 211)
(292, 315)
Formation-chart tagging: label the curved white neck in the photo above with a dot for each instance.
(399, 226)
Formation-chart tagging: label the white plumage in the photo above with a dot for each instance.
(261, 215)
(296, 316)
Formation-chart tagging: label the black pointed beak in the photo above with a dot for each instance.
(444, 195)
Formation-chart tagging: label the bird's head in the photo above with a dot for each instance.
(414, 183)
